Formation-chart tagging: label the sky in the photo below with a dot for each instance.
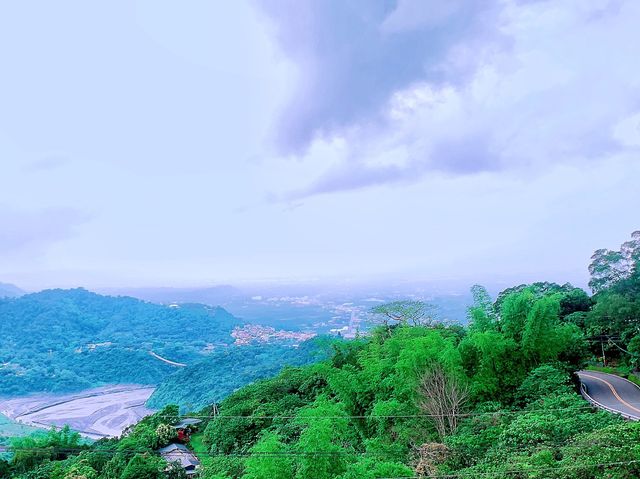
(161, 143)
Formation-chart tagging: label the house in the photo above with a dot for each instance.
(183, 456)
(187, 422)
(186, 427)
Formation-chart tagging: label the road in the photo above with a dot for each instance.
(612, 393)
(173, 363)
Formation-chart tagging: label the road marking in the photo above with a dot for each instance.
(613, 390)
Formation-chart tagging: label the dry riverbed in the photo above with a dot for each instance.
(95, 413)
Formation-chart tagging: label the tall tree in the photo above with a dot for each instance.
(269, 459)
(481, 315)
(410, 312)
(609, 267)
(442, 397)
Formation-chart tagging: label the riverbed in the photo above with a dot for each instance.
(95, 413)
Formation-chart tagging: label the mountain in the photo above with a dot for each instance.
(213, 295)
(8, 290)
(212, 379)
(62, 340)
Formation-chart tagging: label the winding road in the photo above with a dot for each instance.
(611, 393)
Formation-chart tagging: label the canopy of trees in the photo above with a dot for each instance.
(63, 340)
(412, 399)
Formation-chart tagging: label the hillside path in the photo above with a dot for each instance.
(611, 393)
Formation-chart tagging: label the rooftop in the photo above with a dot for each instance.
(179, 453)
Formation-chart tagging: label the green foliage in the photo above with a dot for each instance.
(165, 434)
(609, 267)
(30, 451)
(210, 380)
(5, 469)
(144, 466)
(324, 440)
(270, 460)
(406, 312)
(482, 315)
(356, 414)
(543, 381)
(64, 340)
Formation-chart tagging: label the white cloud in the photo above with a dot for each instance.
(562, 76)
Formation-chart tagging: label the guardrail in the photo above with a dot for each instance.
(594, 403)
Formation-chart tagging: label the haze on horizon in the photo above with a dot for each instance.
(158, 143)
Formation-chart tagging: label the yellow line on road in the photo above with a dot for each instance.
(613, 390)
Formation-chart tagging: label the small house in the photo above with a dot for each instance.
(186, 427)
(183, 456)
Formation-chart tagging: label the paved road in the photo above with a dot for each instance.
(612, 393)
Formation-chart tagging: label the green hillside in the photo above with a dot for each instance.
(61, 340)
(413, 399)
(224, 371)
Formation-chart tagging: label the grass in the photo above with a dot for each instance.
(197, 443)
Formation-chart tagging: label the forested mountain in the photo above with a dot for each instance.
(222, 372)
(10, 291)
(60, 340)
(415, 398)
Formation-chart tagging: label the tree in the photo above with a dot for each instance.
(144, 466)
(175, 471)
(544, 381)
(5, 469)
(538, 290)
(407, 312)
(29, 451)
(114, 468)
(481, 315)
(81, 470)
(322, 442)
(269, 460)
(631, 251)
(609, 266)
(540, 339)
(442, 397)
(514, 311)
(574, 301)
(165, 434)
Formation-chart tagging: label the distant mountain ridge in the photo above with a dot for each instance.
(213, 295)
(8, 290)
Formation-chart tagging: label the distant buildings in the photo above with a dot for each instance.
(266, 334)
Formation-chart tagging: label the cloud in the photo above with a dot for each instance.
(351, 55)
(561, 86)
(47, 163)
(411, 15)
(34, 231)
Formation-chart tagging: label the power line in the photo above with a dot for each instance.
(78, 450)
(391, 416)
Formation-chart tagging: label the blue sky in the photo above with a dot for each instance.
(191, 143)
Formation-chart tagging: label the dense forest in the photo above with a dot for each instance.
(211, 379)
(64, 340)
(414, 398)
